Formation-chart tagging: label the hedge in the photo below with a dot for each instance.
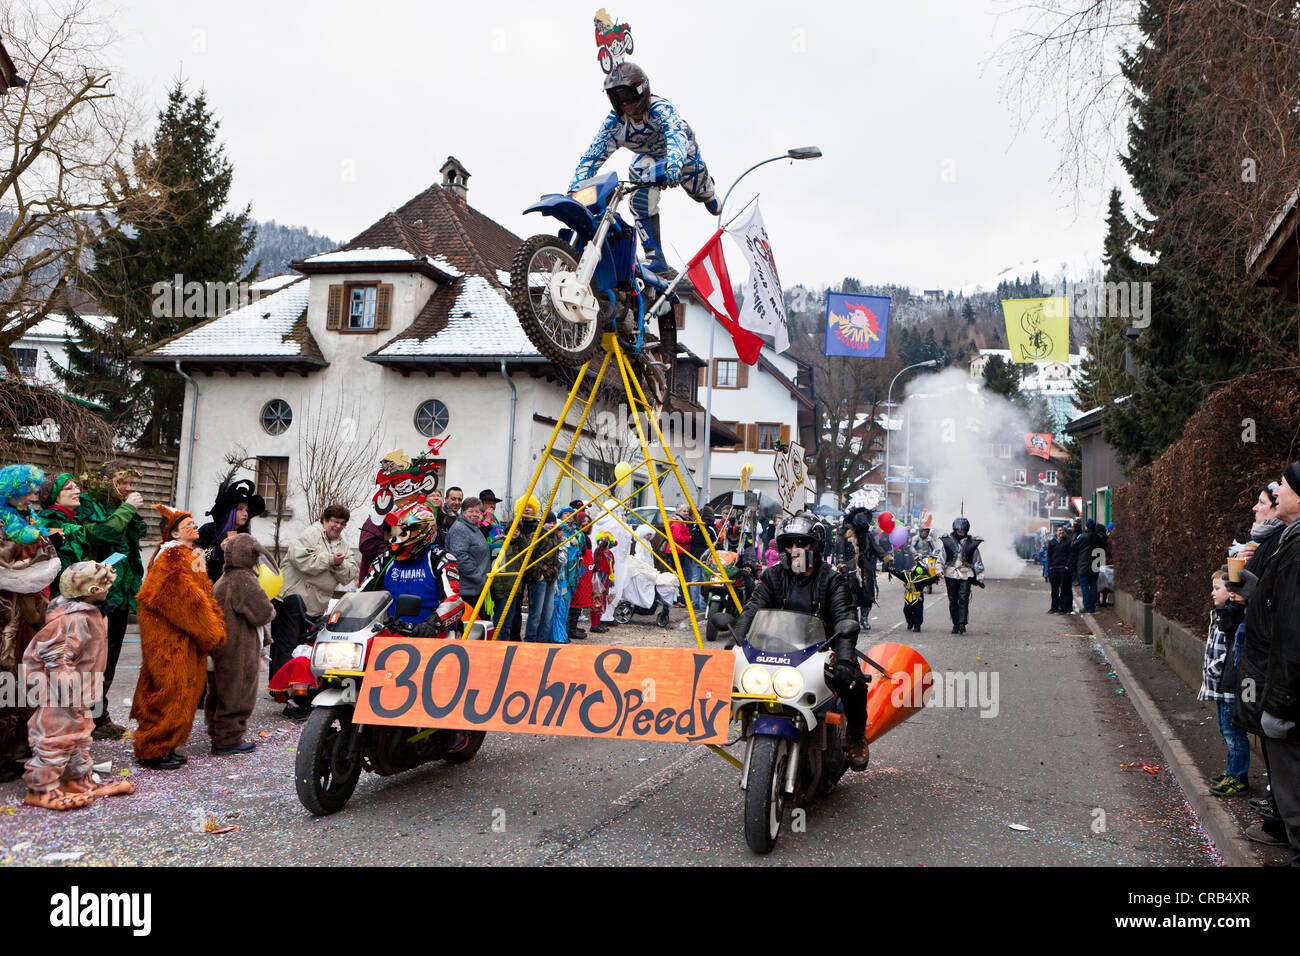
(1175, 518)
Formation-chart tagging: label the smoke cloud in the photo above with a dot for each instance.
(952, 420)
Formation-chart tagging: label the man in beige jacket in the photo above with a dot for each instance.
(319, 561)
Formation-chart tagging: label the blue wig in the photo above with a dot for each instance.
(16, 481)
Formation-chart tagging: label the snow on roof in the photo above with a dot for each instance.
(481, 322)
(442, 263)
(383, 254)
(272, 283)
(503, 277)
(55, 326)
(259, 328)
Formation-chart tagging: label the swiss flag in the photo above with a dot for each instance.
(708, 273)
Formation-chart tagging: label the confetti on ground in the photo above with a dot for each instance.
(263, 733)
(63, 857)
(1020, 827)
(10, 811)
(19, 847)
(1143, 766)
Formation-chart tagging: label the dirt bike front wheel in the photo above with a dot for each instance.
(540, 265)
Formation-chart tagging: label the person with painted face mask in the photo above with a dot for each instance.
(803, 582)
(962, 567)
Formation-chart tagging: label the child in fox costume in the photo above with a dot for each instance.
(180, 625)
(63, 661)
(232, 683)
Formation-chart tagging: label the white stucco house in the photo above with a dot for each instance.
(408, 329)
(769, 401)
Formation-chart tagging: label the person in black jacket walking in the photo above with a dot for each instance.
(1059, 571)
(803, 582)
(1088, 555)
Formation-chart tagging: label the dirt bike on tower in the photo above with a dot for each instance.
(568, 290)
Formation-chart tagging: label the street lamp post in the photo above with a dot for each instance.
(889, 401)
(798, 152)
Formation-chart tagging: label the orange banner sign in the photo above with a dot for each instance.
(627, 693)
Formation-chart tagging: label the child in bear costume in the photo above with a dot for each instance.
(233, 680)
(180, 625)
(62, 660)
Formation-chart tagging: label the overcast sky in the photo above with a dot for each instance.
(334, 113)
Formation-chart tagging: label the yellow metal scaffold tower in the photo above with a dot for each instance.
(654, 466)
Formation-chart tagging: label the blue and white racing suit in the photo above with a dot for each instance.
(661, 135)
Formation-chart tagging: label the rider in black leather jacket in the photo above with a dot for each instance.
(803, 582)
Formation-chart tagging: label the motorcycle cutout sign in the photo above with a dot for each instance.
(678, 695)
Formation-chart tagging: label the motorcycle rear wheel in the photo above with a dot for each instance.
(535, 264)
(765, 793)
(476, 738)
(325, 778)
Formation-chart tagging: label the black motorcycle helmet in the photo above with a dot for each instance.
(961, 525)
(801, 529)
(627, 83)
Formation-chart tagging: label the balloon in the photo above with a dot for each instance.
(746, 470)
(621, 471)
(271, 581)
(886, 521)
(898, 537)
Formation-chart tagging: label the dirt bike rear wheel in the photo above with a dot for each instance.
(535, 263)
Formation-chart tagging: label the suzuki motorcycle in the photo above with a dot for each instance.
(333, 750)
(569, 290)
(792, 722)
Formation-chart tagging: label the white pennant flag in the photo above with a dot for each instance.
(764, 308)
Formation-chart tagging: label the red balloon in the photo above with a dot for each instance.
(1042, 476)
(886, 521)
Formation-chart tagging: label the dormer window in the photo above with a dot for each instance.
(359, 307)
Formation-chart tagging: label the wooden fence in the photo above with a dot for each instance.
(157, 481)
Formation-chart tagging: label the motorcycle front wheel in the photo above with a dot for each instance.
(765, 794)
(536, 265)
(323, 774)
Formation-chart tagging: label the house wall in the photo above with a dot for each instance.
(763, 400)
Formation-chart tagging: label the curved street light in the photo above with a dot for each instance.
(889, 401)
(797, 152)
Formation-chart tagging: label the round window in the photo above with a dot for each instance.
(277, 416)
(431, 418)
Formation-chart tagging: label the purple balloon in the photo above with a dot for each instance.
(898, 537)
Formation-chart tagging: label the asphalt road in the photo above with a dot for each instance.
(944, 788)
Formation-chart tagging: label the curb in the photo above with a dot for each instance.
(1217, 822)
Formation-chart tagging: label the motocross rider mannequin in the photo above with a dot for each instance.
(803, 582)
(650, 127)
(860, 543)
(419, 568)
(962, 566)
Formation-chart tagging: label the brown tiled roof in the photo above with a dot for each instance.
(437, 222)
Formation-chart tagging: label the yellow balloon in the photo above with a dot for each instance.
(622, 470)
(270, 581)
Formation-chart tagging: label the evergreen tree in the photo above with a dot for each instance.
(193, 239)
(968, 313)
(1206, 322)
(1103, 373)
(1002, 378)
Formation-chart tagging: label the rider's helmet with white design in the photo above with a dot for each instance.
(627, 83)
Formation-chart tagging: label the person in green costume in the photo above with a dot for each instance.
(60, 499)
(109, 513)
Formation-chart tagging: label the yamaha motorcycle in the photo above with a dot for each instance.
(569, 290)
(333, 750)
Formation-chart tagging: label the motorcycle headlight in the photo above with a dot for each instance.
(337, 656)
(788, 683)
(585, 196)
(755, 679)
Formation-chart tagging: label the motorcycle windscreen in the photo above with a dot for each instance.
(784, 632)
(358, 610)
